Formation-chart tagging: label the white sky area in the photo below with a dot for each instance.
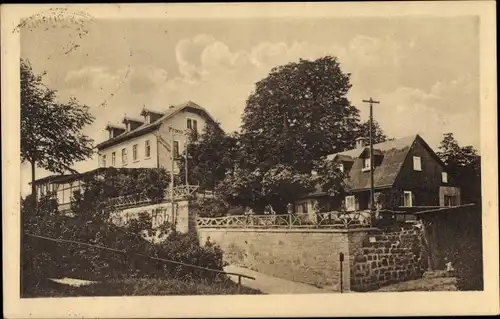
(424, 73)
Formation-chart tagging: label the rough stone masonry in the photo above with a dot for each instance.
(382, 258)
(372, 258)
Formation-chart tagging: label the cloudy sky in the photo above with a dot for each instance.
(424, 72)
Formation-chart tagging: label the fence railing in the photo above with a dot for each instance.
(338, 220)
(179, 193)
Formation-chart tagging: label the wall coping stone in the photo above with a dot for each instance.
(285, 230)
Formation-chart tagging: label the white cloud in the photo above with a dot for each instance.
(446, 107)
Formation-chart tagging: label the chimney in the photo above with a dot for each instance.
(360, 142)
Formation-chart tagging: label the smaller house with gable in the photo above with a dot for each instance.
(406, 172)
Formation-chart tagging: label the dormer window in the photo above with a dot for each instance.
(131, 124)
(341, 167)
(366, 164)
(114, 131)
(150, 116)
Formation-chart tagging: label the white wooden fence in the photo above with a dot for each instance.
(338, 220)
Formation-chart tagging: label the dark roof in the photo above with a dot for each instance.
(49, 179)
(384, 175)
(145, 111)
(149, 127)
(129, 119)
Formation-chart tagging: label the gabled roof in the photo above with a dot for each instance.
(396, 143)
(394, 155)
(149, 127)
(384, 175)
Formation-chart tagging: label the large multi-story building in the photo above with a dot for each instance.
(157, 140)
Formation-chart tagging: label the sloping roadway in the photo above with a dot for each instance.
(272, 285)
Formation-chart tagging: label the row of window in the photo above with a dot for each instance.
(124, 155)
(417, 166)
(350, 201)
(135, 152)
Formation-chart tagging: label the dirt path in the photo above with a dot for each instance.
(272, 285)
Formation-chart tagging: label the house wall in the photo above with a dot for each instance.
(160, 156)
(449, 191)
(423, 184)
(177, 122)
(141, 162)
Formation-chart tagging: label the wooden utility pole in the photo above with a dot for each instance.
(372, 197)
(174, 217)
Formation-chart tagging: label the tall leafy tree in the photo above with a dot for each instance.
(464, 165)
(209, 157)
(51, 132)
(378, 134)
(299, 113)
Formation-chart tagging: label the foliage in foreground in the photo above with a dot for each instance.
(141, 287)
(466, 251)
(48, 259)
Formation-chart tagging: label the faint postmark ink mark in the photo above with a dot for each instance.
(77, 22)
(61, 18)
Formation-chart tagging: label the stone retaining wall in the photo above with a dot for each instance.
(372, 258)
(385, 258)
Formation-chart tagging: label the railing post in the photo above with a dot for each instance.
(341, 258)
(239, 284)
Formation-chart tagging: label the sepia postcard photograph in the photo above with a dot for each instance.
(249, 159)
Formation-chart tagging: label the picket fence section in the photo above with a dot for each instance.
(337, 220)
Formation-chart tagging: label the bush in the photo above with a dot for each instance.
(43, 259)
(466, 252)
(210, 207)
(142, 287)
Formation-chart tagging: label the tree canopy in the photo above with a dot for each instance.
(296, 116)
(299, 113)
(209, 157)
(51, 136)
(378, 134)
(464, 165)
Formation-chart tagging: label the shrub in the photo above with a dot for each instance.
(466, 252)
(48, 259)
(210, 207)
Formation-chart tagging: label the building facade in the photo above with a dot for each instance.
(157, 140)
(406, 173)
